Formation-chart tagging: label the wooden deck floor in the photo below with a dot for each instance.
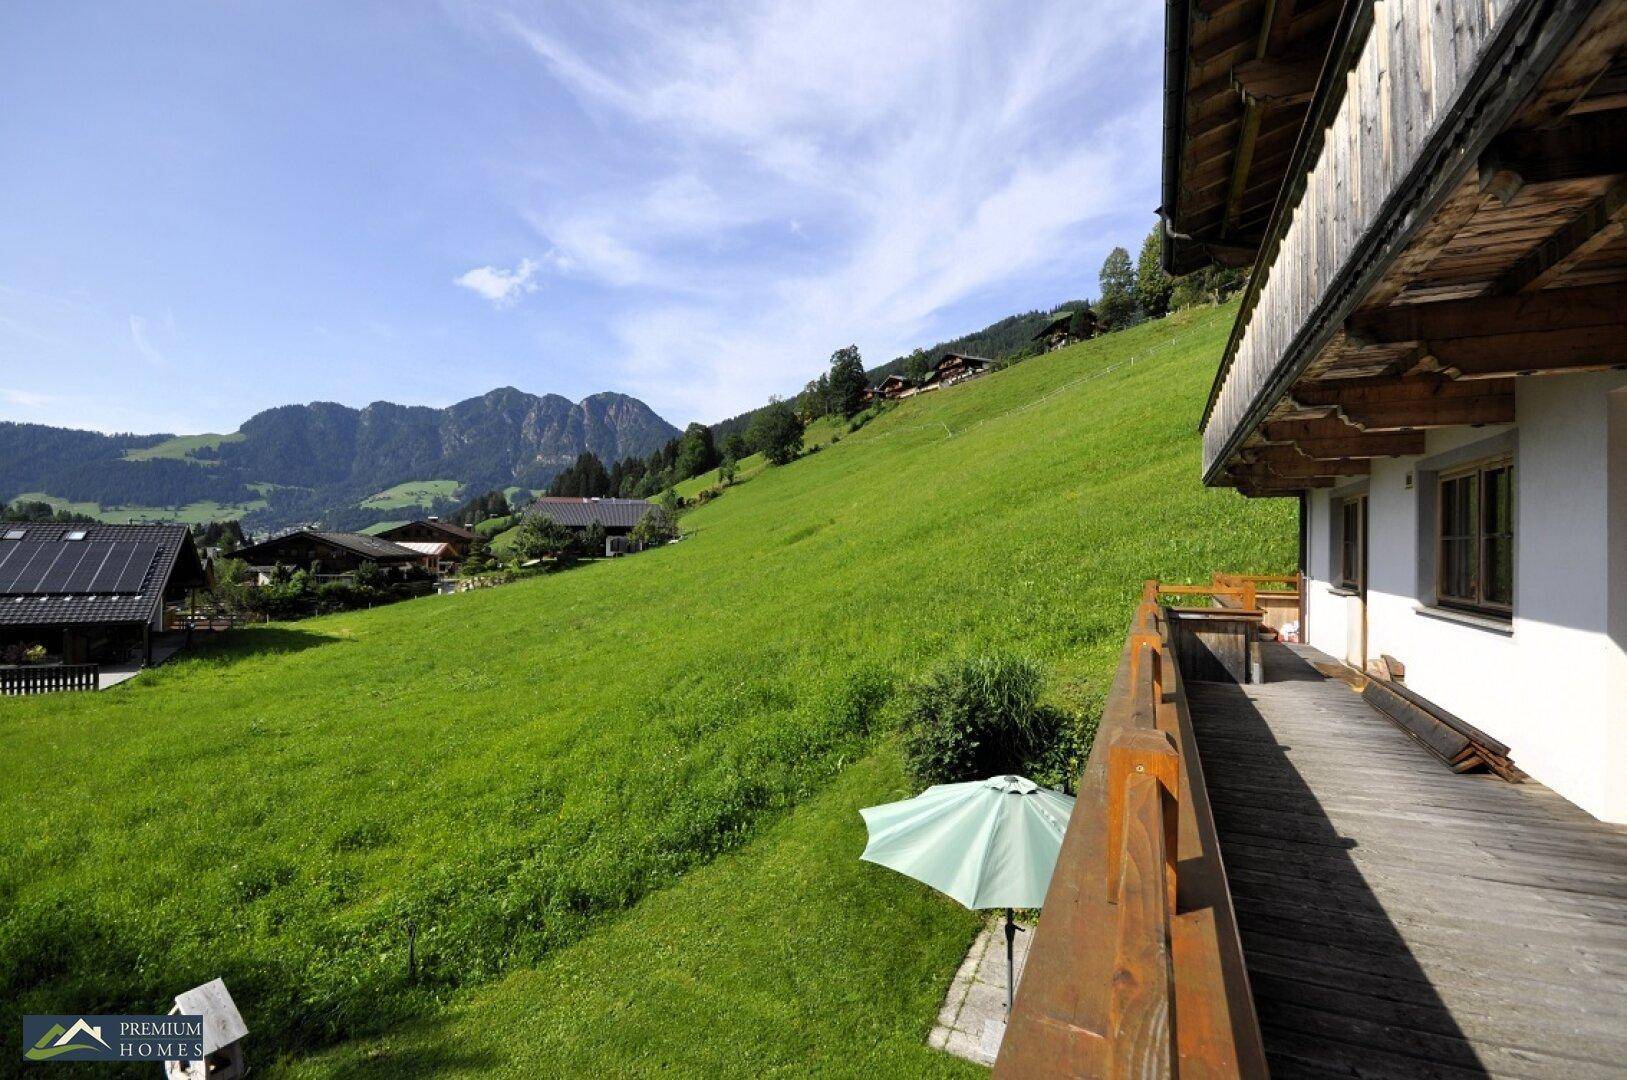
(1399, 920)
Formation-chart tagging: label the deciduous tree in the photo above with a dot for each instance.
(847, 381)
(776, 432)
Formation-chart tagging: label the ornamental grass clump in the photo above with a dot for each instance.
(981, 717)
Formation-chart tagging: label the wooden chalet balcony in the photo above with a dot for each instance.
(1136, 968)
(1268, 875)
(1457, 158)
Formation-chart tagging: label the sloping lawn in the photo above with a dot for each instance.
(789, 957)
(525, 774)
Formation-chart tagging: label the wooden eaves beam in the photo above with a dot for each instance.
(1276, 82)
(1491, 337)
(1593, 144)
(1260, 478)
(1423, 401)
(1290, 461)
(1331, 437)
(1276, 17)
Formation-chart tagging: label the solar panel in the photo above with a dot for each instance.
(9, 552)
(20, 569)
(55, 575)
(135, 571)
(95, 554)
(56, 567)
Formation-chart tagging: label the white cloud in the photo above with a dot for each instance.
(502, 287)
(26, 399)
(925, 157)
(143, 331)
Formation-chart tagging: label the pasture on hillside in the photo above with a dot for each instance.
(617, 804)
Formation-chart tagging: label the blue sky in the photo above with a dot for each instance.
(213, 208)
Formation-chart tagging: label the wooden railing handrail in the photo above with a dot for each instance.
(1136, 968)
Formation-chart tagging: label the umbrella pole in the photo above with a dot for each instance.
(1011, 963)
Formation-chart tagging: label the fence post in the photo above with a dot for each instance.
(1137, 753)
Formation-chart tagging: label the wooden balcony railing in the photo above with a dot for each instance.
(46, 679)
(1136, 969)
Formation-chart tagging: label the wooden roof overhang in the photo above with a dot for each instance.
(1238, 78)
(1464, 224)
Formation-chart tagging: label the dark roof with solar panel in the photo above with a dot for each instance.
(74, 575)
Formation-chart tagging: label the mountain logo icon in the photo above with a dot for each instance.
(59, 1041)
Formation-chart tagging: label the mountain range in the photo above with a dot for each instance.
(330, 463)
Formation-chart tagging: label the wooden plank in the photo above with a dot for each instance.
(1401, 919)
(1599, 224)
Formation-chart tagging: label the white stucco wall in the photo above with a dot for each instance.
(1554, 685)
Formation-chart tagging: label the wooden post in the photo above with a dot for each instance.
(1299, 587)
(1136, 753)
(1140, 1023)
(1145, 657)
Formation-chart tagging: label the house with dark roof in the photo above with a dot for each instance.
(92, 593)
(432, 531)
(954, 368)
(892, 387)
(616, 516)
(328, 554)
(1066, 328)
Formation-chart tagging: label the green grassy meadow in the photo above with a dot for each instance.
(618, 803)
(182, 447)
(412, 494)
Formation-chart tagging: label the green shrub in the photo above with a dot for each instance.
(655, 527)
(982, 717)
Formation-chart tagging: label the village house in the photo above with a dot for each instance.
(450, 536)
(328, 554)
(892, 388)
(617, 517)
(1393, 846)
(92, 593)
(1066, 328)
(955, 368)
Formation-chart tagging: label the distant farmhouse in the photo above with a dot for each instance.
(956, 368)
(617, 517)
(893, 387)
(1066, 328)
(432, 531)
(95, 593)
(442, 544)
(329, 554)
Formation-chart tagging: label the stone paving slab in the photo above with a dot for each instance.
(972, 1021)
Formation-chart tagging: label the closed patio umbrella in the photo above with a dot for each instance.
(987, 843)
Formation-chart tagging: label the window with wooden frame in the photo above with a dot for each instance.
(1475, 525)
(1352, 540)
